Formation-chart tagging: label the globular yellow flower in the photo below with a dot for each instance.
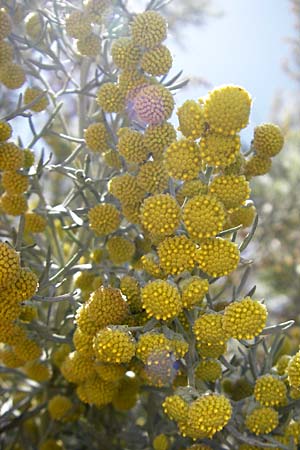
(227, 109)
(28, 158)
(114, 345)
(208, 329)
(60, 407)
(89, 45)
(160, 214)
(150, 343)
(177, 254)
(262, 420)
(27, 349)
(148, 29)
(176, 408)
(208, 414)
(83, 342)
(231, 190)
(26, 284)
(153, 177)
(293, 371)
(193, 291)
(191, 119)
(96, 10)
(106, 306)
(218, 150)
(5, 24)
(151, 266)
(78, 25)
(158, 138)
(120, 249)
(34, 25)
(113, 159)
(59, 355)
(104, 219)
(6, 53)
(97, 138)
(245, 319)
(126, 189)
(84, 280)
(244, 216)
(282, 364)
(12, 204)
(218, 257)
(130, 81)
(110, 372)
(96, 391)
(11, 156)
(203, 216)
(12, 75)
(182, 160)
(269, 390)
(209, 370)
(10, 359)
(268, 139)
(9, 265)
(38, 371)
(10, 309)
(161, 300)
(131, 145)
(190, 189)
(257, 165)
(152, 105)
(131, 289)
(161, 442)
(34, 223)
(15, 183)
(111, 98)
(5, 131)
(31, 95)
(157, 61)
(28, 313)
(125, 53)
(76, 367)
(127, 394)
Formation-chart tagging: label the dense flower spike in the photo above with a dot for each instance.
(218, 257)
(152, 105)
(268, 140)
(208, 414)
(105, 306)
(110, 98)
(11, 156)
(262, 420)
(177, 254)
(231, 190)
(104, 218)
(12, 76)
(5, 131)
(15, 183)
(226, 109)
(97, 137)
(270, 391)
(182, 160)
(120, 250)
(114, 345)
(193, 290)
(125, 54)
(9, 265)
(36, 98)
(203, 216)
(161, 300)
(131, 145)
(157, 61)
(153, 177)
(160, 214)
(148, 29)
(218, 150)
(293, 371)
(158, 138)
(191, 119)
(245, 319)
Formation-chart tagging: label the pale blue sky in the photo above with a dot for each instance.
(246, 46)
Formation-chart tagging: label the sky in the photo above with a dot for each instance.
(245, 46)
